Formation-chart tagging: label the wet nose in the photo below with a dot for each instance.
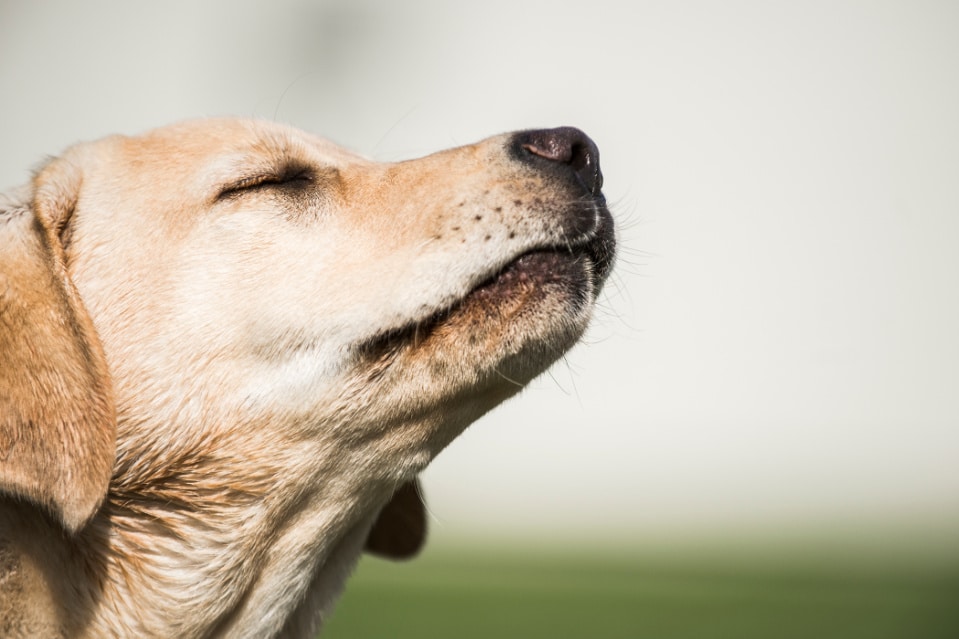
(567, 148)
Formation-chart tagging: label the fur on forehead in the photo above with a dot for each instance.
(231, 152)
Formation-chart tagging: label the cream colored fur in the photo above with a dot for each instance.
(226, 344)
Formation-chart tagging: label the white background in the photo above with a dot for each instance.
(779, 348)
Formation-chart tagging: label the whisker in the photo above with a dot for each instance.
(572, 379)
(294, 82)
(406, 115)
(549, 372)
(508, 379)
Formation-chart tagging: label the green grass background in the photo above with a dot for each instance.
(741, 593)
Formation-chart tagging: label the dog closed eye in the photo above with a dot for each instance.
(291, 177)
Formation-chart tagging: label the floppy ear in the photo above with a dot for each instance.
(57, 420)
(400, 529)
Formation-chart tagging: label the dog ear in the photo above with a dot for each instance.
(57, 415)
(399, 531)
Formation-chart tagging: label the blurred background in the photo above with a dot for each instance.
(767, 405)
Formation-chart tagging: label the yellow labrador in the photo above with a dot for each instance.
(227, 348)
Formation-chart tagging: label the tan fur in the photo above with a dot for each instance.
(225, 344)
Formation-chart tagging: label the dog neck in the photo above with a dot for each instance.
(230, 544)
(239, 509)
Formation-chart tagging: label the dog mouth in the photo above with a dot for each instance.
(577, 271)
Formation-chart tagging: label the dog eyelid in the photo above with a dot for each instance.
(294, 177)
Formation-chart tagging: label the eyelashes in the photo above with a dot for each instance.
(292, 178)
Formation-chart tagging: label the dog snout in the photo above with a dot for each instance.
(564, 150)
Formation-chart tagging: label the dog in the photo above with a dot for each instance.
(228, 347)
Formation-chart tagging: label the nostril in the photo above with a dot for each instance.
(568, 146)
(553, 144)
(585, 162)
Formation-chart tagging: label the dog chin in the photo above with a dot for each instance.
(508, 329)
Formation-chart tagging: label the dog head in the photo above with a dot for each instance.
(249, 286)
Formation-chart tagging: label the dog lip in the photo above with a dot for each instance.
(596, 245)
(601, 247)
(539, 266)
(588, 258)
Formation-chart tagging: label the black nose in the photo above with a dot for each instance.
(566, 147)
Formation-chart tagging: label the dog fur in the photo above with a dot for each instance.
(227, 348)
